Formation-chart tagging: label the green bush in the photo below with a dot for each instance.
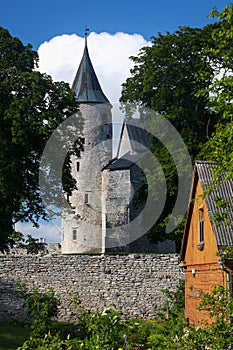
(103, 330)
(218, 335)
(106, 330)
(168, 328)
(48, 342)
(41, 308)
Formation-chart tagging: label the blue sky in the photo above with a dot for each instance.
(39, 21)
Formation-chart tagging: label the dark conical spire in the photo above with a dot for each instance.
(86, 84)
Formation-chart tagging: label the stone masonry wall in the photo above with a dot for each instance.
(133, 282)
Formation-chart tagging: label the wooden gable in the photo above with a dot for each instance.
(195, 250)
(198, 255)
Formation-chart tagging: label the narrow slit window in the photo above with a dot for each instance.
(74, 235)
(86, 198)
(104, 118)
(77, 166)
(201, 224)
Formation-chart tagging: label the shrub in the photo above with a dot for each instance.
(41, 308)
(48, 342)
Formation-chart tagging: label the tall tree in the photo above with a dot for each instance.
(172, 77)
(219, 147)
(31, 107)
(168, 77)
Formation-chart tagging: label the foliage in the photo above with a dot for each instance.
(174, 333)
(226, 252)
(219, 147)
(222, 57)
(98, 330)
(47, 342)
(174, 304)
(107, 330)
(165, 176)
(103, 330)
(187, 77)
(167, 78)
(218, 303)
(31, 108)
(41, 308)
(31, 244)
(218, 335)
(170, 323)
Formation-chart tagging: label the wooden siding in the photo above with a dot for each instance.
(202, 268)
(208, 254)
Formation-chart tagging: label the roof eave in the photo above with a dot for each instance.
(189, 215)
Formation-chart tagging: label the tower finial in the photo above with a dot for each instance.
(87, 30)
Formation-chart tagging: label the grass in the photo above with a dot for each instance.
(13, 335)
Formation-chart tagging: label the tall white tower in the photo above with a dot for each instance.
(82, 227)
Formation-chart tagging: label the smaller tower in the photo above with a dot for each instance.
(82, 229)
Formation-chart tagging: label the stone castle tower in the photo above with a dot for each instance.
(82, 226)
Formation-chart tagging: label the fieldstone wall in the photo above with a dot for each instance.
(133, 282)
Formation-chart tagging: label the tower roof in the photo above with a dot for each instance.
(86, 84)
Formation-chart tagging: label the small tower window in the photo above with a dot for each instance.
(201, 224)
(105, 118)
(74, 235)
(86, 198)
(77, 166)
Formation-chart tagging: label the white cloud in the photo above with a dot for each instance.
(60, 58)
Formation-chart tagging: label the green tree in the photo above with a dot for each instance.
(174, 77)
(41, 309)
(168, 76)
(31, 107)
(30, 244)
(219, 147)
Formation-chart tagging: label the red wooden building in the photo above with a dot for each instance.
(204, 237)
